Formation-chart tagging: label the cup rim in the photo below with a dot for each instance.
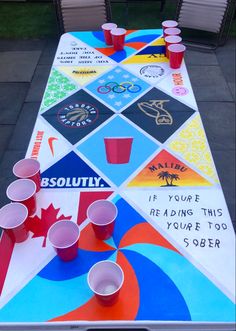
(179, 39)
(173, 22)
(66, 246)
(119, 138)
(17, 180)
(116, 290)
(178, 46)
(118, 31)
(109, 26)
(175, 30)
(26, 216)
(21, 161)
(116, 212)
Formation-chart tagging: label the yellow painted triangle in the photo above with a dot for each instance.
(152, 55)
(191, 144)
(165, 170)
(158, 42)
(83, 75)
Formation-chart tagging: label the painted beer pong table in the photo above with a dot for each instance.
(173, 235)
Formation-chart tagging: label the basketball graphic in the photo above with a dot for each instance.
(77, 115)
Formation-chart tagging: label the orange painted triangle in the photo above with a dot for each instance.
(86, 198)
(165, 170)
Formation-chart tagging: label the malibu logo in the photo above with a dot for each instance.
(72, 182)
(77, 115)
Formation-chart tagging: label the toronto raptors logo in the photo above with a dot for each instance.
(77, 115)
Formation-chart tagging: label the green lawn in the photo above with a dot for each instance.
(38, 20)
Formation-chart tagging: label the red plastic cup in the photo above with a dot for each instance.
(171, 40)
(118, 38)
(30, 169)
(12, 220)
(64, 237)
(102, 215)
(105, 279)
(169, 24)
(118, 149)
(107, 27)
(172, 32)
(23, 191)
(176, 54)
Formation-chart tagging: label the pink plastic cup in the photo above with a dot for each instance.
(105, 279)
(64, 237)
(102, 215)
(169, 40)
(118, 149)
(107, 27)
(118, 38)
(169, 24)
(176, 54)
(30, 169)
(12, 220)
(172, 32)
(24, 191)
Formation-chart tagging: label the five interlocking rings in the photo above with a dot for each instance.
(119, 88)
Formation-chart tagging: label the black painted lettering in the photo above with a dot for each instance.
(186, 242)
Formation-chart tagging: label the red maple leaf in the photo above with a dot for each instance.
(40, 226)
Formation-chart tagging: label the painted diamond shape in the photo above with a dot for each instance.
(191, 144)
(118, 88)
(118, 127)
(154, 52)
(165, 170)
(58, 87)
(71, 172)
(150, 72)
(134, 40)
(158, 114)
(77, 116)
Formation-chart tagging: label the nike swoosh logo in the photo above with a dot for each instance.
(50, 143)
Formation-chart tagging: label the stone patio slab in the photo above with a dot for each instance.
(209, 83)
(219, 124)
(18, 66)
(193, 57)
(49, 51)
(12, 97)
(38, 83)
(5, 134)
(22, 45)
(24, 127)
(226, 58)
(8, 160)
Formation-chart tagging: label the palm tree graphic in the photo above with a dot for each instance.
(168, 177)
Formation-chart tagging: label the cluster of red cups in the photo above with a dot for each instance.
(174, 47)
(22, 193)
(105, 278)
(114, 36)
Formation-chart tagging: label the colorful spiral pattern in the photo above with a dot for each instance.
(160, 284)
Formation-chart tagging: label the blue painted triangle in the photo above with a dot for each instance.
(71, 172)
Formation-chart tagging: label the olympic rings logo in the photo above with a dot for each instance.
(119, 88)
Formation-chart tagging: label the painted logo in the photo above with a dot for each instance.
(155, 109)
(77, 115)
(180, 90)
(50, 143)
(152, 71)
(119, 88)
